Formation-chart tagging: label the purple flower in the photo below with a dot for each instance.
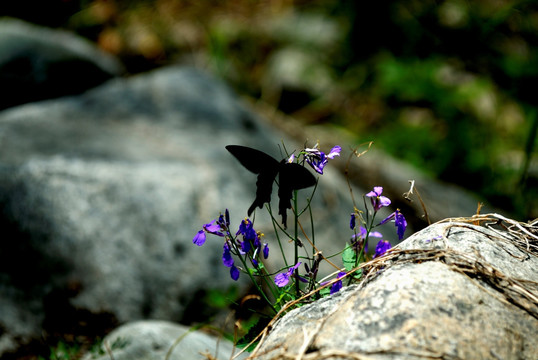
(245, 246)
(378, 201)
(352, 221)
(246, 229)
(250, 237)
(400, 222)
(265, 251)
(234, 273)
(337, 285)
(317, 159)
(362, 236)
(381, 248)
(199, 238)
(227, 259)
(283, 279)
(212, 228)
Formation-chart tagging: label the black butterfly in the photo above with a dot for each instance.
(291, 177)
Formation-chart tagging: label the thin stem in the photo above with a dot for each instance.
(296, 240)
(313, 237)
(275, 224)
(258, 287)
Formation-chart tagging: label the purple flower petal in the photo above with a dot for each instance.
(199, 238)
(282, 279)
(352, 222)
(318, 159)
(317, 162)
(265, 251)
(257, 244)
(337, 285)
(335, 151)
(384, 201)
(246, 229)
(377, 200)
(245, 246)
(401, 224)
(381, 248)
(390, 217)
(234, 273)
(227, 259)
(212, 227)
(376, 192)
(294, 267)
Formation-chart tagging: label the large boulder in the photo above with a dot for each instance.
(102, 193)
(41, 63)
(454, 290)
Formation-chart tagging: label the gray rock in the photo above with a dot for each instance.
(41, 63)
(159, 340)
(102, 193)
(453, 290)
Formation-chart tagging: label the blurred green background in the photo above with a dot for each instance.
(448, 86)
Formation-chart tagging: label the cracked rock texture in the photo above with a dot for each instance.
(452, 291)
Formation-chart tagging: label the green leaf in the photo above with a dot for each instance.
(349, 257)
(325, 291)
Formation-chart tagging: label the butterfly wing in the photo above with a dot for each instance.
(259, 163)
(253, 160)
(292, 177)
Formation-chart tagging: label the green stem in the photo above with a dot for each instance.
(258, 287)
(296, 239)
(275, 224)
(245, 266)
(313, 236)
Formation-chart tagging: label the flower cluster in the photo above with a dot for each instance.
(355, 252)
(379, 201)
(243, 250)
(245, 243)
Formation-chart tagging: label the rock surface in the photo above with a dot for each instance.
(39, 63)
(158, 340)
(453, 290)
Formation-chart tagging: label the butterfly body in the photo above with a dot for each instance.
(291, 177)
